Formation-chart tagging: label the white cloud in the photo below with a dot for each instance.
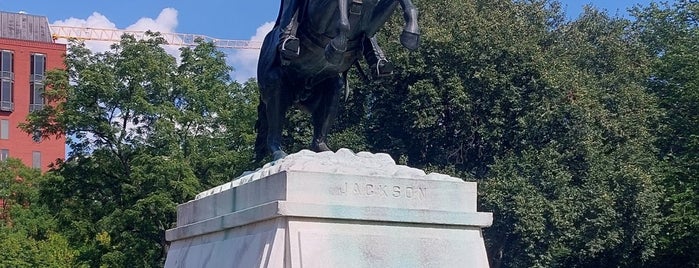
(244, 61)
(96, 20)
(166, 22)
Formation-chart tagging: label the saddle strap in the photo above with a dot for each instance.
(356, 7)
(294, 26)
(321, 41)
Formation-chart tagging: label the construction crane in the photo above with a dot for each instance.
(175, 39)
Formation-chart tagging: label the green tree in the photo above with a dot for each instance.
(146, 134)
(551, 116)
(28, 230)
(671, 33)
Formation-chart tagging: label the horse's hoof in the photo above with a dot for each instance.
(410, 40)
(333, 55)
(258, 158)
(278, 155)
(320, 147)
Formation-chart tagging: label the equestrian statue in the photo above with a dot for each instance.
(303, 58)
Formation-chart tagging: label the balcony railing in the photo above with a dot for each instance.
(7, 106)
(35, 107)
(37, 78)
(6, 75)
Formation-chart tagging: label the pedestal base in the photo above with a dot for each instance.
(294, 219)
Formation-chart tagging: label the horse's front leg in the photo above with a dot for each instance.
(410, 38)
(323, 107)
(337, 46)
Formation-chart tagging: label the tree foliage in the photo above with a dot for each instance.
(551, 116)
(28, 232)
(146, 133)
(671, 33)
(582, 133)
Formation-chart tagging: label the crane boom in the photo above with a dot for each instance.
(176, 39)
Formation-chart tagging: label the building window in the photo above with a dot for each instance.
(7, 64)
(36, 82)
(4, 154)
(4, 129)
(36, 159)
(7, 78)
(36, 96)
(38, 65)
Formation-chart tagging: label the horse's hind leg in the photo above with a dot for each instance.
(323, 107)
(261, 127)
(277, 100)
(337, 46)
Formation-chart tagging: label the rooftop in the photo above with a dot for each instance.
(23, 26)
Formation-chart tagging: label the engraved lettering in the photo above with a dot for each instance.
(382, 188)
(339, 190)
(423, 193)
(416, 192)
(343, 190)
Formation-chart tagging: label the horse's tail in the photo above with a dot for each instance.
(261, 127)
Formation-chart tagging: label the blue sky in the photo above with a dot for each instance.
(231, 19)
(225, 19)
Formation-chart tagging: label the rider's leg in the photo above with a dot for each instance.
(288, 43)
(374, 55)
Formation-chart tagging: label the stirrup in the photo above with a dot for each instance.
(289, 52)
(383, 68)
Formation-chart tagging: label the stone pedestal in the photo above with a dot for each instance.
(320, 210)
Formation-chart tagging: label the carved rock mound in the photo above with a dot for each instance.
(344, 161)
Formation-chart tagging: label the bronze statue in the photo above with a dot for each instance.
(289, 46)
(311, 44)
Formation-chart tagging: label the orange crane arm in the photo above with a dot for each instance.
(176, 39)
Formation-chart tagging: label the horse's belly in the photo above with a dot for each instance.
(312, 62)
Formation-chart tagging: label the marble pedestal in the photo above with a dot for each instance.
(311, 213)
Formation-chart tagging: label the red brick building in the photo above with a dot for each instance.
(27, 51)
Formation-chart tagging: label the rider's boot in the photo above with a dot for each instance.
(374, 55)
(289, 46)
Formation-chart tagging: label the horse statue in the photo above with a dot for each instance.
(330, 35)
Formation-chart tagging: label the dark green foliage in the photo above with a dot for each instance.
(581, 133)
(146, 134)
(671, 33)
(28, 231)
(552, 117)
